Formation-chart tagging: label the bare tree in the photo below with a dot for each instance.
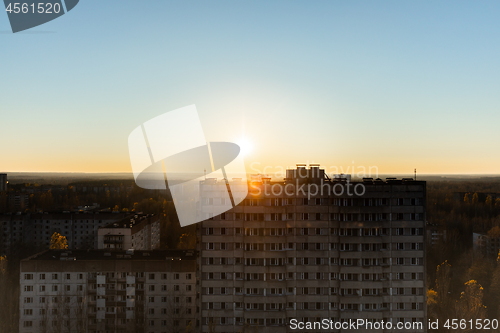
(9, 297)
(81, 313)
(179, 312)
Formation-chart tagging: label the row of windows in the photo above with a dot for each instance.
(362, 202)
(151, 323)
(209, 321)
(352, 232)
(313, 276)
(321, 291)
(313, 246)
(315, 306)
(109, 275)
(80, 299)
(312, 261)
(53, 276)
(121, 286)
(320, 217)
(150, 276)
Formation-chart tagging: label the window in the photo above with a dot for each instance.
(54, 276)
(28, 288)
(152, 276)
(68, 276)
(42, 276)
(28, 276)
(188, 276)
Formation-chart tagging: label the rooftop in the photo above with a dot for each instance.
(131, 221)
(82, 255)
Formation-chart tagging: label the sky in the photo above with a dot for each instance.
(395, 85)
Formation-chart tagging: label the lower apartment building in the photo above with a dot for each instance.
(292, 251)
(80, 229)
(138, 232)
(119, 291)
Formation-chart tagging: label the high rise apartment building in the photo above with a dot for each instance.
(109, 291)
(310, 248)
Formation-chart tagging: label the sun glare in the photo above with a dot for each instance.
(246, 146)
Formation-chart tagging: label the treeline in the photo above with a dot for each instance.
(462, 282)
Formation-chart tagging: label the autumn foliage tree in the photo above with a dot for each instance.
(58, 242)
(470, 305)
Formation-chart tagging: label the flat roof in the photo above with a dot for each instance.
(82, 255)
(130, 221)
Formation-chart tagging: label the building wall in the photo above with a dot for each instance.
(3, 182)
(108, 295)
(80, 229)
(276, 258)
(487, 244)
(115, 238)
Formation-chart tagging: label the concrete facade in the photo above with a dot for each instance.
(80, 229)
(292, 252)
(98, 291)
(3, 182)
(487, 244)
(140, 232)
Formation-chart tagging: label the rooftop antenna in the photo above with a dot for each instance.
(415, 174)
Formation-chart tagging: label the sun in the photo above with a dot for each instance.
(246, 146)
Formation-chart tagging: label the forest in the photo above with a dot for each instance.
(463, 283)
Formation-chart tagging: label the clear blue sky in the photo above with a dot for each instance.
(392, 84)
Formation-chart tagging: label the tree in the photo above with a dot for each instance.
(494, 232)
(9, 297)
(58, 242)
(3, 265)
(443, 282)
(187, 241)
(488, 200)
(494, 292)
(470, 305)
(475, 198)
(466, 198)
(431, 297)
